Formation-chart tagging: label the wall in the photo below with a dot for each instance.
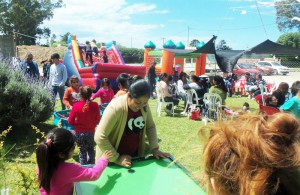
(7, 45)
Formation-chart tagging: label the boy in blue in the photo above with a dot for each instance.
(293, 104)
(30, 67)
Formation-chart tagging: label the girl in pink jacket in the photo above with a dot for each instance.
(105, 93)
(57, 176)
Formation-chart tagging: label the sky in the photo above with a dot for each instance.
(132, 23)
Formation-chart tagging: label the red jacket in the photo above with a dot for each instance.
(84, 119)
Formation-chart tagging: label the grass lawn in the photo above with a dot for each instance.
(177, 135)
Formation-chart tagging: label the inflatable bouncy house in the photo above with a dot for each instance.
(92, 73)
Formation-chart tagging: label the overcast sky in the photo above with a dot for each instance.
(132, 23)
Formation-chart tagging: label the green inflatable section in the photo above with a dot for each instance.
(151, 177)
(169, 45)
(80, 64)
(180, 45)
(150, 45)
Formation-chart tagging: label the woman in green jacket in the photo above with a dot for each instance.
(125, 123)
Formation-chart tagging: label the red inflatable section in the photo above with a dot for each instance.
(112, 71)
(92, 82)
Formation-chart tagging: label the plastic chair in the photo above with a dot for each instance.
(269, 110)
(192, 101)
(213, 103)
(161, 101)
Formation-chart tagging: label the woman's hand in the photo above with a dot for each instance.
(159, 154)
(124, 161)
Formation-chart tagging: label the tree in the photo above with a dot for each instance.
(64, 38)
(288, 15)
(222, 46)
(292, 40)
(24, 17)
(194, 42)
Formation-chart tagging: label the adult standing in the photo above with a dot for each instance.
(125, 123)
(31, 68)
(152, 78)
(58, 78)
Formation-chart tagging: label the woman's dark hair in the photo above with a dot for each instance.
(139, 88)
(220, 83)
(163, 75)
(196, 79)
(58, 142)
(123, 79)
(295, 87)
(105, 81)
(170, 77)
(181, 75)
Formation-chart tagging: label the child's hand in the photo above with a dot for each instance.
(107, 154)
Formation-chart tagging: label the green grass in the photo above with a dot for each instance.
(177, 135)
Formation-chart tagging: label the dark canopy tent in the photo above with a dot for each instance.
(269, 47)
(226, 59)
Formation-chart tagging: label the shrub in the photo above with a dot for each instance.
(23, 100)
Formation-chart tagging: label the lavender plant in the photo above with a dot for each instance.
(24, 100)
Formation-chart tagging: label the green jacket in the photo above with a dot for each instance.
(111, 127)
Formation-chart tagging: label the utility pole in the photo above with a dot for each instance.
(163, 39)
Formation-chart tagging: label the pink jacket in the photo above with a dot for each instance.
(62, 181)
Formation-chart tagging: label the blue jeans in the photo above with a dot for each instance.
(60, 91)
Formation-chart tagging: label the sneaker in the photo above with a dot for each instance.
(183, 113)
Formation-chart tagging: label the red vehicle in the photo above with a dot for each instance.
(242, 68)
(263, 69)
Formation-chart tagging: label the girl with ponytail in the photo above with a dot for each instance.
(56, 176)
(85, 116)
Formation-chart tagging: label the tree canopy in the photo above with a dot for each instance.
(288, 15)
(23, 18)
(292, 40)
(222, 46)
(194, 42)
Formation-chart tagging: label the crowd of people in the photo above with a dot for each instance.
(249, 154)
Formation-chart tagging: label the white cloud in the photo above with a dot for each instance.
(244, 12)
(266, 4)
(104, 20)
(296, 18)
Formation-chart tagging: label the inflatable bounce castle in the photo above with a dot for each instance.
(92, 74)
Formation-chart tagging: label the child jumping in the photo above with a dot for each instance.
(105, 93)
(85, 116)
(71, 95)
(56, 176)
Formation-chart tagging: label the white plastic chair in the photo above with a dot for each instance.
(161, 101)
(191, 98)
(213, 103)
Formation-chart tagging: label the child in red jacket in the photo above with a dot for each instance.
(85, 116)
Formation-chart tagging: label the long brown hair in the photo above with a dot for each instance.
(244, 156)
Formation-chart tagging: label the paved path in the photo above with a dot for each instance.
(290, 78)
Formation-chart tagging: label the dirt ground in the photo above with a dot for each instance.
(39, 53)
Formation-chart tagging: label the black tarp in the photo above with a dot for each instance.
(269, 47)
(227, 59)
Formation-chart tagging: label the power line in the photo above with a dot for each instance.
(261, 19)
(24, 35)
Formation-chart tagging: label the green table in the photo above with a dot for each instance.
(149, 176)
